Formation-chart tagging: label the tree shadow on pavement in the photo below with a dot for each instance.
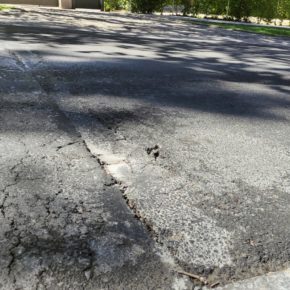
(217, 74)
(139, 75)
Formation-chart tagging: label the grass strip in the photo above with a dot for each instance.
(273, 31)
(5, 7)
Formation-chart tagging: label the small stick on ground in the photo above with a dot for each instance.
(214, 284)
(197, 277)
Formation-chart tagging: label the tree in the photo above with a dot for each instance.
(236, 9)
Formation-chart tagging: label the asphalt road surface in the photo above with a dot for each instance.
(183, 127)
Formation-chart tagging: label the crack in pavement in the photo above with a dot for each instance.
(16, 179)
(68, 144)
(70, 222)
(13, 258)
(107, 167)
(217, 191)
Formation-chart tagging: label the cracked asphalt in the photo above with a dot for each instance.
(63, 225)
(133, 146)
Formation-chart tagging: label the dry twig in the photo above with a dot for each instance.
(214, 284)
(197, 277)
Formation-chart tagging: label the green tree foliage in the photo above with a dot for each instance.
(234, 9)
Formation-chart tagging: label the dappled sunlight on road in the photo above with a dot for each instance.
(190, 122)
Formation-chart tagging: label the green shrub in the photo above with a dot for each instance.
(147, 6)
(116, 4)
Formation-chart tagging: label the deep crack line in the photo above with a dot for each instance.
(13, 257)
(6, 196)
(2, 206)
(123, 188)
(68, 144)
